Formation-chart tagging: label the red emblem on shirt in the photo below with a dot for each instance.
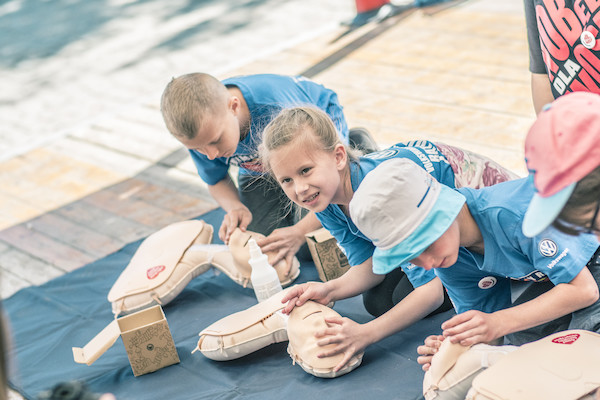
(153, 272)
(567, 339)
(253, 165)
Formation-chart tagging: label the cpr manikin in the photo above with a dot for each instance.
(169, 259)
(250, 330)
(564, 365)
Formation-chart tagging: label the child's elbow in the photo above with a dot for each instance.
(590, 294)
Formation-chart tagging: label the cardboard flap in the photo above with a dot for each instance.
(320, 235)
(241, 320)
(158, 255)
(98, 345)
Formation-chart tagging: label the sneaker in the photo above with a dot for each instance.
(361, 139)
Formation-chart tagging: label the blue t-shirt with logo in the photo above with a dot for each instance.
(266, 95)
(357, 247)
(482, 281)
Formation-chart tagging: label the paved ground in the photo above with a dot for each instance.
(87, 166)
(80, 84)
(66, 62)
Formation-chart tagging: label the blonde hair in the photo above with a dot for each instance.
(290, 126)
(188, 100)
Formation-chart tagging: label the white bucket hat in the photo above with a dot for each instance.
(403, 210)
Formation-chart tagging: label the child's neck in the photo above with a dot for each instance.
(244, 112)
(345, 192)
(470, 234)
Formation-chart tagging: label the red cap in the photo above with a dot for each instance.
(561, 148)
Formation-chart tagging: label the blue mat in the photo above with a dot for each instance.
(46, 321)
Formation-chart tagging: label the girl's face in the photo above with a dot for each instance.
(310, 178)
(442, 253)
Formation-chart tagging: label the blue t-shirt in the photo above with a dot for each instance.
(357, 247)
(266, 95)
(482, 282)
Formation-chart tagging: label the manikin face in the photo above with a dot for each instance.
(218, 135)
(310, 178)
(442, 253)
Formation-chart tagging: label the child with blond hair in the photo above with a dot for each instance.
(221, 124)
(319, 173)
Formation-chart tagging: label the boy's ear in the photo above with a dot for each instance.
(341, 156)
(234, 105)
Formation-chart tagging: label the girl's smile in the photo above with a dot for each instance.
(310, 200)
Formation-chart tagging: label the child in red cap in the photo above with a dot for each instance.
(562, 151)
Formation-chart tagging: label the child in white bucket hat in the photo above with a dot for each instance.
(473, 240)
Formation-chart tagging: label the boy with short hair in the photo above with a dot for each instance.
(221, 124)
(474, 241)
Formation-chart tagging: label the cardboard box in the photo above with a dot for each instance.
(146, 337)
(330, 260)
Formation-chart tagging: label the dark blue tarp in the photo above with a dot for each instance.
(47, 321)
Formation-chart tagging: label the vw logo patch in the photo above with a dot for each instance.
(487, 282)
(548, 248)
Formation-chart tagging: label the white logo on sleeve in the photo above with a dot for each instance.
(387, 153)
(487, 282)
(547, 248)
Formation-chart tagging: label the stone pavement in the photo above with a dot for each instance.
(106, 172)
(81, 81)
(64, 63)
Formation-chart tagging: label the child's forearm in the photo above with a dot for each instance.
(226, 194)
(414, 307)
(562, 299)
(541, 91)
(308, 224)
(355, 281)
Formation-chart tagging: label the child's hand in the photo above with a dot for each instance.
(300, 294)
(349, 336)
(236, 218)
(428, 349)
(472, 327)
(285, 242)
